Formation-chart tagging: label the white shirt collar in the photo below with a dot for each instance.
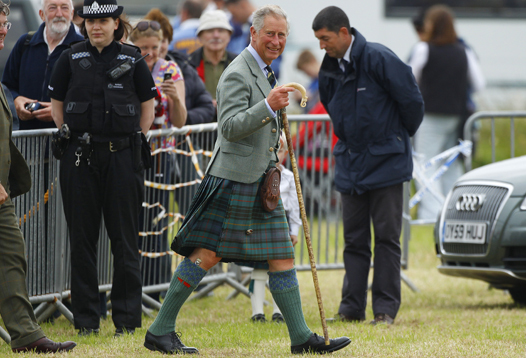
(260, 62)
(347, 55)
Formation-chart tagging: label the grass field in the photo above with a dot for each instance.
(449, 317)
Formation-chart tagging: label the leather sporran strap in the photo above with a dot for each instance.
(269, 192)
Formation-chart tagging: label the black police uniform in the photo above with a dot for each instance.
(103, 177)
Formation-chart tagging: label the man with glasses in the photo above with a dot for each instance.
(15, 308)
(29, 66)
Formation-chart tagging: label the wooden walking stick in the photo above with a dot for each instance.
(302, 209)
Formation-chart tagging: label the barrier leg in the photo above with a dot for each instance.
(64, 310)
(46, 313)
(4, 335)
(236, 292)
(151, 302)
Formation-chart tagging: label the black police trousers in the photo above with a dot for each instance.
(107, 186)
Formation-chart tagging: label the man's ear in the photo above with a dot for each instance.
(41, 14)
(343, 31)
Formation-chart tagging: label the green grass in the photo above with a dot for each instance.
(449, 317)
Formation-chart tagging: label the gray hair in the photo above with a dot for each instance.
(274, 10)
(4, 8)
(44, 2)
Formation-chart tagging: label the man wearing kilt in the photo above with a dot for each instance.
(226, 220)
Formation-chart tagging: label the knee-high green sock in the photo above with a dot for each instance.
(184, 281)
(286, 293)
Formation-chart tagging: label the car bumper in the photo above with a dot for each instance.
(501, 278)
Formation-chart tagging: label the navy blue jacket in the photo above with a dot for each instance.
(28, 69)
(375, 107)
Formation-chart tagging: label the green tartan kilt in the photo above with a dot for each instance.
(227, 217)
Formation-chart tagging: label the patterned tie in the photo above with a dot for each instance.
(271, 77)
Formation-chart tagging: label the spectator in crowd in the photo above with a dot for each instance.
(15, 179)
(249, 119)
(211, 60)
(308, 64)
(289, 197)
(445, 70)
(101, 171)
(184, 37)
(241, 20)
(375, 105)
(170, 110)
(156, 14)
(29, 66)
(199, 109)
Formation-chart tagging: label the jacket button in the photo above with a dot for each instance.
(271, 149)
(263, 121)
(268, 118)
(249, 231)
(274, 130)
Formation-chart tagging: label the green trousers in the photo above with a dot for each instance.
(15, 308)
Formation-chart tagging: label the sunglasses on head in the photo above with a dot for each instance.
(144, 25)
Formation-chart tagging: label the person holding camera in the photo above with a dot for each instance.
(30, 63)
(170, 110)
(103, 91)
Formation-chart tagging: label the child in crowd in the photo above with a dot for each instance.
(292, 208)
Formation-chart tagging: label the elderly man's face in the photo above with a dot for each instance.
(270, 41)
(214, 39)
(57, 15)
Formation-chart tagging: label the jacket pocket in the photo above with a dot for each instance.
(124, 118)
(78, 116)
(391, 145)
(241, 149)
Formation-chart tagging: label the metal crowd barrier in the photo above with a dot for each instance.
(470, 132)
(169, 187)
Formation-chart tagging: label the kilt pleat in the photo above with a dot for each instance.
(227, 217)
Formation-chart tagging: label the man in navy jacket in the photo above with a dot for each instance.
(375, 105)
(29, 66)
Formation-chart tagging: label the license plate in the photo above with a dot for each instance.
(465, 232)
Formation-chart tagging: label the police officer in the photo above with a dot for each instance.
(104, 93)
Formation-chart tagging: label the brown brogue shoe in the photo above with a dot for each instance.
(46, 345)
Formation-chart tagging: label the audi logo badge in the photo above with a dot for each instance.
(470, 202)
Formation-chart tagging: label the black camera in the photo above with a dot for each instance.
(32, 106)
(167, 76)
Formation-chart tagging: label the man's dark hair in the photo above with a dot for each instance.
(193, 8)
(331, 18)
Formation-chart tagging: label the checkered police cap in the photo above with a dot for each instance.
(100, 9)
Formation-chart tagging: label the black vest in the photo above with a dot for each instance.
(94, 103)
(444, 83)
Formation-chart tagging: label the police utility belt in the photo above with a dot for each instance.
(85, 144)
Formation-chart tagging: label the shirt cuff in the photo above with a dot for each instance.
(270, 109)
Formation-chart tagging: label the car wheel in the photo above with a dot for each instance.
(518, 294)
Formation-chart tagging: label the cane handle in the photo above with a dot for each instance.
(301, 89)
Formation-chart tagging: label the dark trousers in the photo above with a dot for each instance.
(111, 187)
(15, 309)
(384, 208)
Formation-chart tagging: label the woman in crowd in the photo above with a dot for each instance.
(445, 70)
(104, 94)
(170, 110)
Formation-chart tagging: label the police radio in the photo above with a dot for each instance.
(123, 68)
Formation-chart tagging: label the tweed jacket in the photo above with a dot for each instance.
(14, 173)
(247, 132)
